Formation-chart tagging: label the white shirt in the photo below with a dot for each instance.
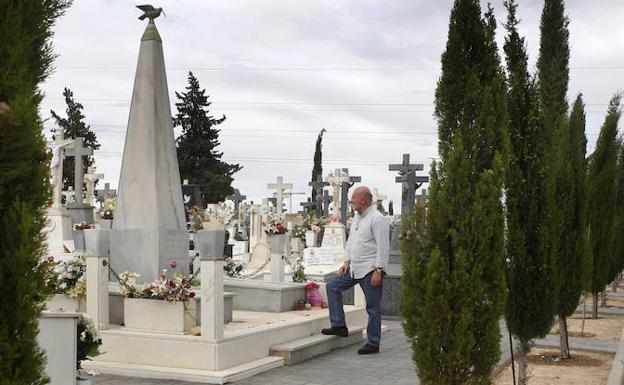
(368, 245)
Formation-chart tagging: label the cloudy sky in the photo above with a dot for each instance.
(365, 70)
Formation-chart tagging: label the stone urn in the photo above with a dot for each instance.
(278, 243)
(310, 238)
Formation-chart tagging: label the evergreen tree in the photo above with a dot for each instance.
(317, 169)
(571, 209)
(390, 208)
(530, 302)
(602, 201)
(454, 327)
(74, 126)
(618, 260)
(26, 52)
(198, 158)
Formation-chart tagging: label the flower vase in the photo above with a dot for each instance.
(278, 243)
(310, 238)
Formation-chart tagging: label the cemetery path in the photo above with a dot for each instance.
(339, 367)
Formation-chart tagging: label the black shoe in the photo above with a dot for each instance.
(368, 349)
(341, 331)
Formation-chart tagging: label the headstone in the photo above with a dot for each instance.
(191, 194)
(90, 178)
(319, 186)
(345, 195)
(79, 210)
(280, 187)
(149, 229)
(409, 182)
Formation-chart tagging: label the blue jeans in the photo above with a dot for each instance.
(337, 285)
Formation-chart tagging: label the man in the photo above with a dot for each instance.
(366, 255)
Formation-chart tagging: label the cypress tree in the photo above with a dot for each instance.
(390, 208)
(618, 262)
(530, 303)
(317, 169)
(198, 158)
(26, 58)
(454, 329)
(572, 211)
(74, 126)
(602, 201)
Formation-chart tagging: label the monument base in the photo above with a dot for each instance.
(148, 251)
(59, 230)
(81, 212)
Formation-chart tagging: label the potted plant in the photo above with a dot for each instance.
(88, 345)
(107, 213)
(170, 297)
(66, 279)
(298, 272)
(232, 268)
(276, 231)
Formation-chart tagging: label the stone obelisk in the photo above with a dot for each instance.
(149, 228)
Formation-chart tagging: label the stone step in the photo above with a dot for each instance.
(302, 349)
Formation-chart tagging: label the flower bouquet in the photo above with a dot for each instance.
(175, 288)
(82, 226)
(88, 341)
(231, 268)
(275, 226)
(108, 210)
(313, 295)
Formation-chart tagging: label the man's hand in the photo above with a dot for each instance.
(376, 278)
(344, 268)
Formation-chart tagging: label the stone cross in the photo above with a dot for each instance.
(377, 199)
(318, 199)
(57, 147)
(336, 179)
(408, 182)
(307, 206)
(327, 199)
(69, 195)
(237, 198)
(345, 194)
(78, 151)
(105, 193)
(280, 187)
(90, 178)
(422, 198)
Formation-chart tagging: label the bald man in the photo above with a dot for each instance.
(366, 256)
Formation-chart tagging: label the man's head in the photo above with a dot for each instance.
(361, 199)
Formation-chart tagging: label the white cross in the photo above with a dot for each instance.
(90, 178)
(78, 151)
(378, 198)
(280, 186)
(336, 179)
(57, 147)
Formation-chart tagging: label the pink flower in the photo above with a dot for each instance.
(50, 258)
(312, 285)
(315, 228)
(173, 264)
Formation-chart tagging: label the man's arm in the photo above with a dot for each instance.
(381, 232)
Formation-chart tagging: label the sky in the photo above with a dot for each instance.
(280, 71)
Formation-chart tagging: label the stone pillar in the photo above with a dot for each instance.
(277, 261)
(210, 245)
(98, 251)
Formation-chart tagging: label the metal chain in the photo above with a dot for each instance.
(257, 271)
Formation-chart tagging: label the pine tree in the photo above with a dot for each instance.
(26, 52)
(571, 197)
(602, 201)
(198, 158)
(618, 260)
(74, 126)
(454, 327)
(317, 169)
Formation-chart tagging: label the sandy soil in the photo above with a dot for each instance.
(584, 368)
(606, 327)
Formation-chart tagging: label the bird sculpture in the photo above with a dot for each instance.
(149, 11)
